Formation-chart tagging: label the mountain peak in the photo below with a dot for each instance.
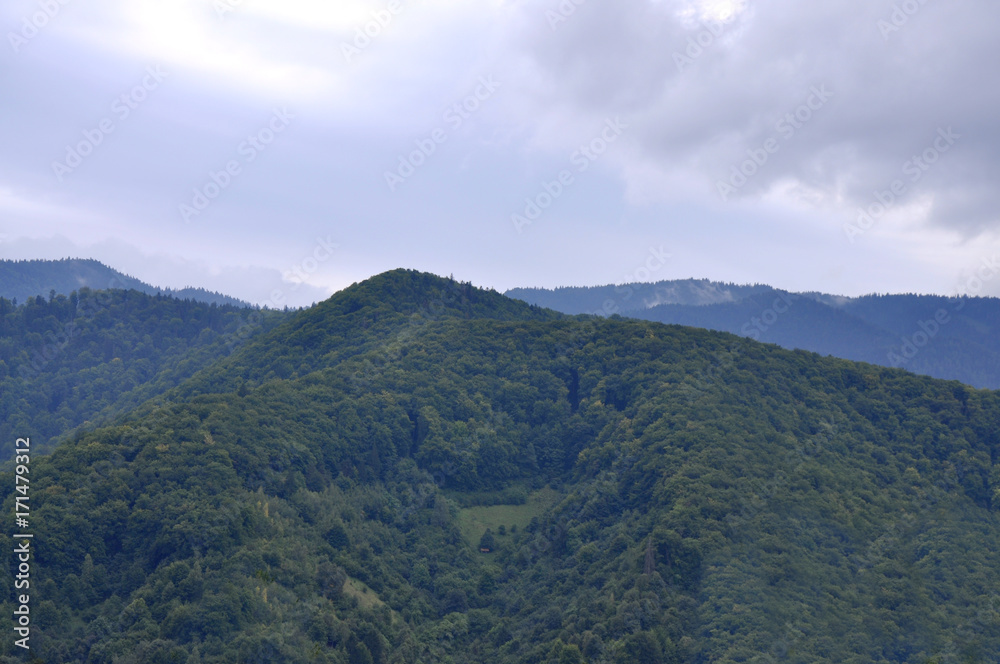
(388, 306)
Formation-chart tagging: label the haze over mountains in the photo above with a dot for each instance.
(945, 337)
(322, 490)
(23, 279)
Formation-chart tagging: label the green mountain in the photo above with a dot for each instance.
(651, 493)
(20, 280)
(952, 338)
(84, 359)
(381, 315)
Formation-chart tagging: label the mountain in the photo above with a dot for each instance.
(20, 280)
(635, 297)
(652, 493)
(382, 314)
(82, 360)
(951, 338)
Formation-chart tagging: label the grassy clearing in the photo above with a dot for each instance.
(473, 521)
(367, 598)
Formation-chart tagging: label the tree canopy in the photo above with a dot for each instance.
(666, 494)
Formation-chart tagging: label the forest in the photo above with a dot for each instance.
(955, 338)
(417, 470)
(67, 362)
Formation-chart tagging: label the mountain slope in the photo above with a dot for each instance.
(885, 330)
(709, 499)
(636, 296)
(89, 357)
(384, 313)
(785, 319)
(20, 280)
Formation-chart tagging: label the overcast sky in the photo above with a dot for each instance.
(298, 146)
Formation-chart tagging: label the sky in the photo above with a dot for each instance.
(280, 150)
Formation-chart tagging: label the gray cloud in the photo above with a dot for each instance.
(692, 114)
(894, 84)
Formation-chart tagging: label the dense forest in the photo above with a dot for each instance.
(421, 471)
(82, 359)
(955, 338)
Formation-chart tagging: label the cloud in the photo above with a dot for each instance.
(806, 113)
(702, 93)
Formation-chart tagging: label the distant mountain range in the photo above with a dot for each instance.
(951, 338)
(23, 279)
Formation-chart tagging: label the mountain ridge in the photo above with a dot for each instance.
(21, 279)
(390, 307)
(960, 341)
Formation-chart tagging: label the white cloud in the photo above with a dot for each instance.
(187, 35)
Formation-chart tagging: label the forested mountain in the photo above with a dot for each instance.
(85, 358)
(953, 338)
(420, 471)
(20, 280)
(382, 315)
(635, 297)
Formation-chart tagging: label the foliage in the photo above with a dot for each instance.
(711, 499)
(86, 358)
(952, 338)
